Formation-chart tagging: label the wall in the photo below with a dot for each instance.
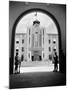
(19, 37)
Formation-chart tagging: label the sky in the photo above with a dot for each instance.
(45, 21)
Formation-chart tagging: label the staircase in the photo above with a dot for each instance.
(36, 66)
(36, 63)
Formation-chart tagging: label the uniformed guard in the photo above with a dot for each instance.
(55, 61)
(16, 64)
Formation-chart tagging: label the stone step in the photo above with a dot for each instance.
(36, 63)
(37, 69)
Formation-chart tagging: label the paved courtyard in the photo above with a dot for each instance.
(37, 79)
(37, 66)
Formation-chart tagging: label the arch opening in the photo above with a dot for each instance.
(36, 42)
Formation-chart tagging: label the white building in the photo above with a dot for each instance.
(36, 44)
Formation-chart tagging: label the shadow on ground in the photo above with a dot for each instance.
(37, 79)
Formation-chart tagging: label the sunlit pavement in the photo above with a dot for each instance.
(37, 66)
(37, 79)
(36, 74)
(37, 69)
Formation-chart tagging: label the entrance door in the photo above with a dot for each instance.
(36, 57)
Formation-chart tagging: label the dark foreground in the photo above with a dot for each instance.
(37, 79)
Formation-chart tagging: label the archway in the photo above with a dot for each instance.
(19, 19)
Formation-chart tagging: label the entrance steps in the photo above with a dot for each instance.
(36, 66)
(36, 63)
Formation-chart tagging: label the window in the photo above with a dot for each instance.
(49, 49)
(29, 55)
(16, 53)
(49, 41)
(50, 57)
(22, 49)
(54, 42)
(17, 42)
(17, 50)
(54, 49)
(22, 41)
(22, 57)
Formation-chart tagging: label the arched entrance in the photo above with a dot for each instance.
(14, 33)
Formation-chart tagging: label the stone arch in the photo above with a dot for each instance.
(14, 30)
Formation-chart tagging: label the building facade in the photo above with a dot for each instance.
(36, 44)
